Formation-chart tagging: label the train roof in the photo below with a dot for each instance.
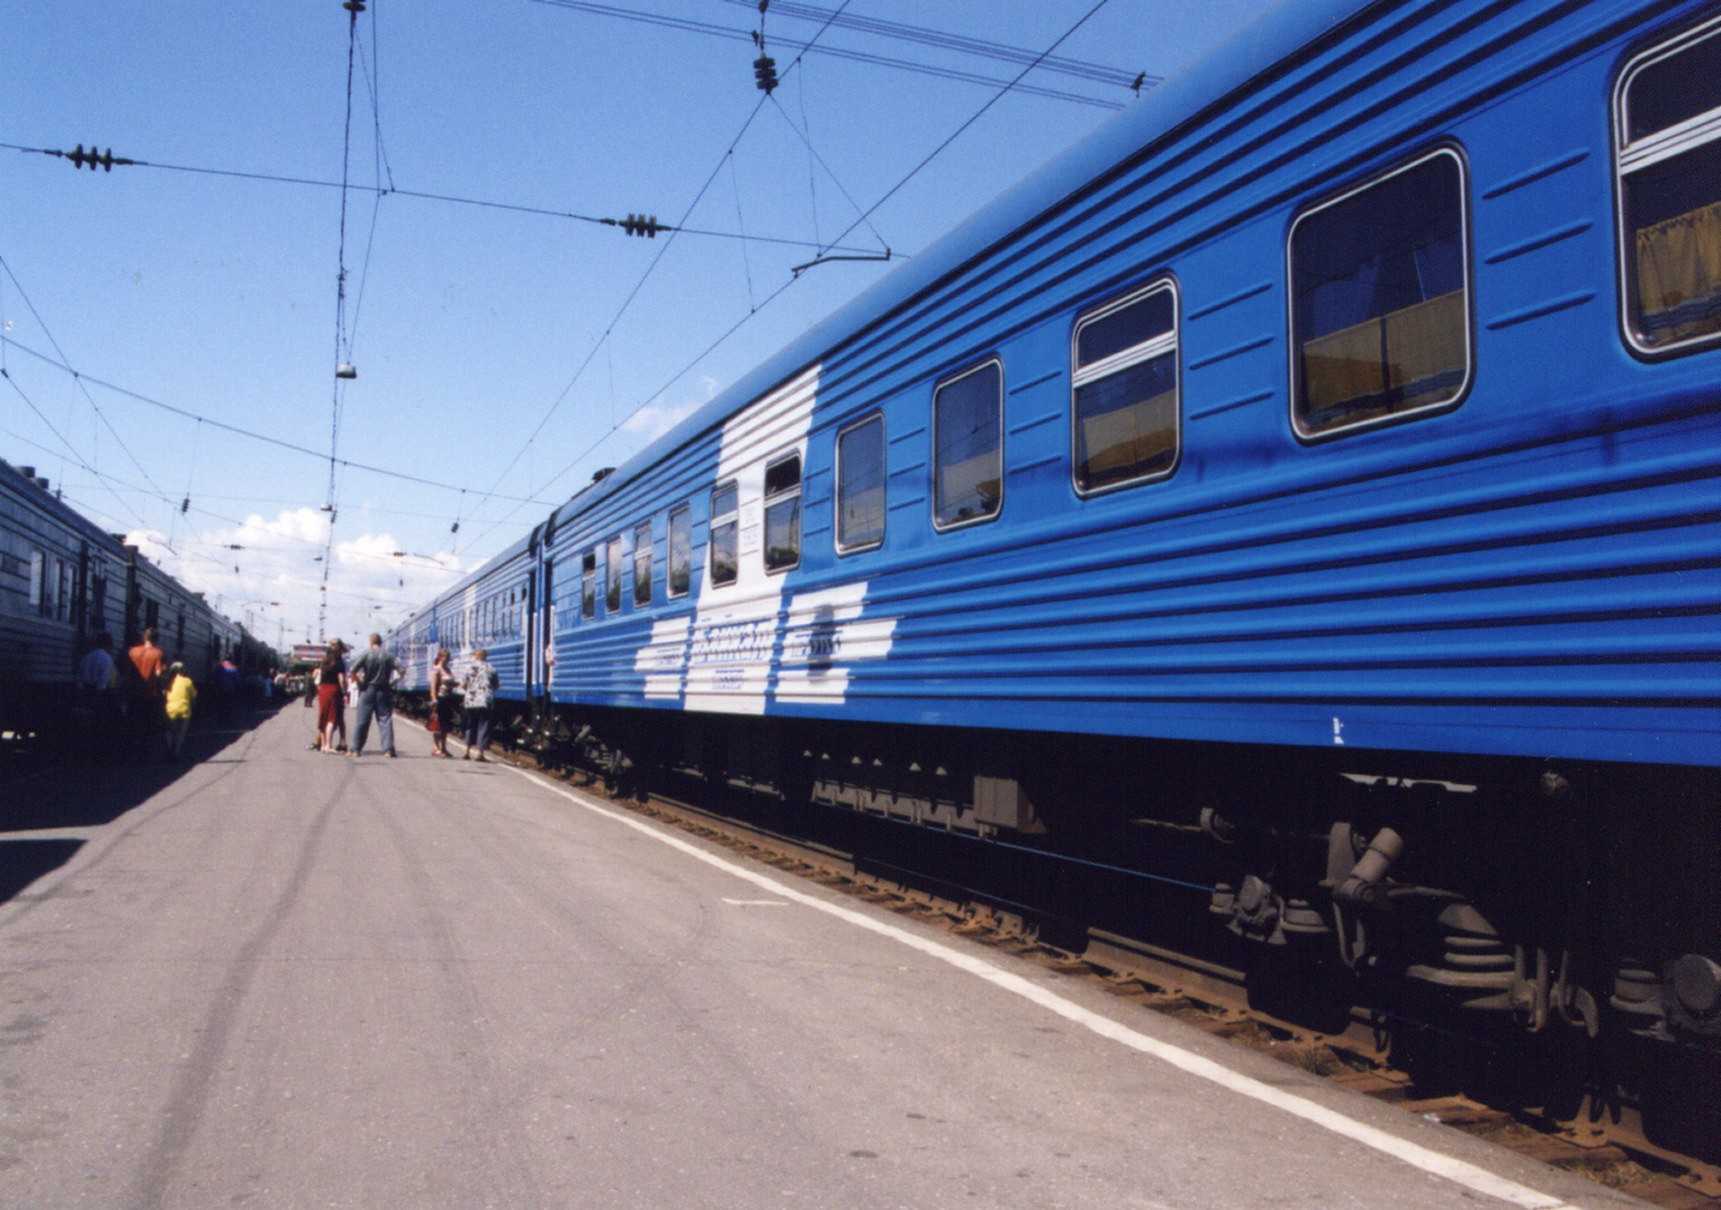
(26, 488)
(1274, 37)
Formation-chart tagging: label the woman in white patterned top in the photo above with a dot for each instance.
(480, 685)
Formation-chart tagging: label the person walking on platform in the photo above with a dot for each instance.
(480, 685)
(441, 703)
(181, 696)
(147, 666)
(98, 685)
(375, 671)
(226, 688)
(331, 679)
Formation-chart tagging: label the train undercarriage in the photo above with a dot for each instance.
(1547, 934)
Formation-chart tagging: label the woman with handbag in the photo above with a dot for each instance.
(441, 703)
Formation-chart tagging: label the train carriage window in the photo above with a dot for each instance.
(589, 584)
(783, 513)
(63, 600)
(642, 564)
(1380, 323)
(1124, 419)
(1668, 156)
(860, 486)
(968, 447)
(38, 580)
(723, 545)
(99, 601)
(680, 550)
(612, 575)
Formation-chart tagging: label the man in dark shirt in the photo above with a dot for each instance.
(375, 673)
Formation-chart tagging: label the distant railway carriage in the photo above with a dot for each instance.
(63, 580)
(1349, 406)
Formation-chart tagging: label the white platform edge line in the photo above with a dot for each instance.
(1460, 1172)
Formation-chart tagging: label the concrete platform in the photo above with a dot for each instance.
(287, 979)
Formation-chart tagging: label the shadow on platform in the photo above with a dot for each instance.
(76, 794)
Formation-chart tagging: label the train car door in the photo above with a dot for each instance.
(547, 622)
(534, 661)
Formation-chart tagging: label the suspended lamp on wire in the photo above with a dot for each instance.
(346, 369)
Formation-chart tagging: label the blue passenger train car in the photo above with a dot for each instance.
(1348, 406)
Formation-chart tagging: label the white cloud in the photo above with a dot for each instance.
(654, 420)
(279, 560)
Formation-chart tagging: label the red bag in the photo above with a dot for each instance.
(434, 725)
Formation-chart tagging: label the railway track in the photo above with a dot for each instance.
(1208, 995)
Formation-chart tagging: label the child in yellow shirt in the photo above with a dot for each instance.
(181, 694)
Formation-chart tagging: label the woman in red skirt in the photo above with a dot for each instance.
(331, 695)
(441, 703)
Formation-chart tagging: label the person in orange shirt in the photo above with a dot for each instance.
(146, 688)
(147, 658)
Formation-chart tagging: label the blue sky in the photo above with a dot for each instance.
(218, 295)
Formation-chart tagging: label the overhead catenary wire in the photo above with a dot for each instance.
(812, 176)
(455, 199)
(741, 223)
(609, 328)
(1098, 73)
(579, 372)
(12, 381)
(265, 438)
(972, 118)
(76, 378)
(711, 29)
(814, 156)
(114, 485)
(379, 168)
(373, 86)
(779, 291)
(281, 501)
(342, 353)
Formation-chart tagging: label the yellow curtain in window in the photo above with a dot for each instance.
(1424, 342)
(1129, 441)
(1679, 261)
(1342, 366)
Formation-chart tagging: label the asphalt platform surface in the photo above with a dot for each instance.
(276, 978)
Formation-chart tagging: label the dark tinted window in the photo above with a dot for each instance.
(725, 530)
(1125, 396)
(680, 551)
(860, 485)
(783, 514)
(1125, 327)
(1380, 320)
(968, 443)
(1670, 190)
(642, 564)
(783, 476)
(589, 584)
(1673, 89)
